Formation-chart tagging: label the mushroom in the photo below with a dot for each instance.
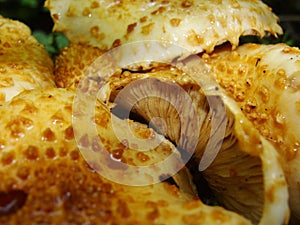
(47, 175)
(200, 27)
(69, 68)
(196, 25)
(240, 175)
(220, 139)
(24, 63)
(46, 179)
(264, 81)
(169, 100)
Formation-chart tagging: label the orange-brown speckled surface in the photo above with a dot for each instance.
(70, 70)
(53, 184)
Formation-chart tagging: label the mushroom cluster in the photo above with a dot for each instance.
(154, 114)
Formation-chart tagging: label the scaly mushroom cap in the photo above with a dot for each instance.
(68, 70)
(24, 63)
(245, 176)
(197, 25)
(240, 174)
(45, 179)
(264, 80)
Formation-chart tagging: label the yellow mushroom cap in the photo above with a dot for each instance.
(24, 63)
(196, 25)
(47, 179)
(264, 81)
(246, 175)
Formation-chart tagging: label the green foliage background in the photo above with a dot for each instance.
(37, 17)
(32, 13)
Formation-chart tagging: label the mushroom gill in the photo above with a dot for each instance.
(264, 81)
(46, 180)
(245, 175)
(24, 63)
(197, 25)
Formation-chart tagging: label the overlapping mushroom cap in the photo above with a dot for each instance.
(241, 175)
(197, 25)
(264, 81)
(24, 63)
(246, 174)
(45, 179)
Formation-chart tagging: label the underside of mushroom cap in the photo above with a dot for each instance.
(45, 178)
(264, 81)
(138, 91)
(197, 25)
(24, 63)
(241, 175)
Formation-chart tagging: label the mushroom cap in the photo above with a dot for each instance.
(246, 163)
(240, 174)
(264, 81)
(71, 63)
(196, 25)
(24, 63)
(46, 176)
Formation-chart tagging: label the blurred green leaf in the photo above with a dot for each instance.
(30, 3)
(61, 40)
(53, 42)
(42, 37)
(51, 50)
